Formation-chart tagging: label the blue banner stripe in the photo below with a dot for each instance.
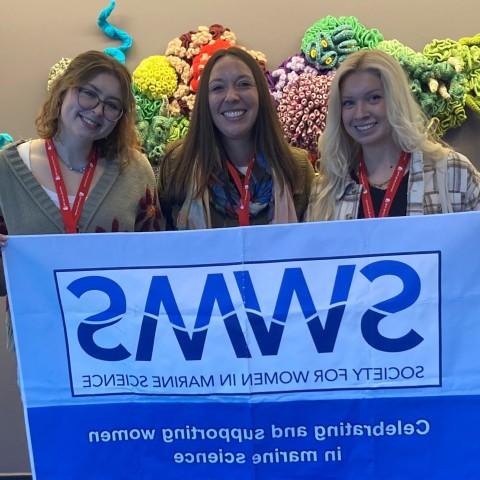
(262, 441)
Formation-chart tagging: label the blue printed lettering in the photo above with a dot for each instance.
(117, 308)
(407, 297)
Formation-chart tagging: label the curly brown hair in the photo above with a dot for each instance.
(123, 140)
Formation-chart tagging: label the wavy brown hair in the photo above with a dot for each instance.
(123, 139)
(201, 154)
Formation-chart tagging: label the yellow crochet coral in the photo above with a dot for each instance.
(155, 77)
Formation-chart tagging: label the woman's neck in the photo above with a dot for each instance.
(73, 153)
(380, 161)
(239, 152)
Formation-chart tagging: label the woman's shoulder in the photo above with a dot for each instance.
(454, 173)
(462, 173)
(302, 159)
(457, 159)
(138, 162)
(14, 153)
(169, 162)
(450, 160)
(139, 159)
(172, 153)
(300, 155)
(134, 175)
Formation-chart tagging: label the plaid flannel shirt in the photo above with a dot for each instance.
(448, 185)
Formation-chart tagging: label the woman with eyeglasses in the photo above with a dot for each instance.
(85, 172)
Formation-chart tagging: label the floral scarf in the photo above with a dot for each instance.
(225, 197)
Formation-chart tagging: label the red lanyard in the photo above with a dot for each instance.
(391, 191)
(71, 215)
(243, 210)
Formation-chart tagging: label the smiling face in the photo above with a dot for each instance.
(364, 112)
(233, 99)
(90, 124)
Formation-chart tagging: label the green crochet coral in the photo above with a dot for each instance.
(155, 127)
(328, 41)
(464, 56)
(330, 49)
(437, 84)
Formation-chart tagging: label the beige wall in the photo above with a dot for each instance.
(13, 443)
(35, 35)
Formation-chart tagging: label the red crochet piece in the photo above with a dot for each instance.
(200, 60)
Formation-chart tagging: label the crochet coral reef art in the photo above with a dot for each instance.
(301, 92)
(444, 78)
(156, 127)
(165, 85)
(57, 70)
(182, 52)
(327, 42)
(155, 77)
(4, 139)
(110, 31)
(439, 87)
(113, 32)
(301, 84)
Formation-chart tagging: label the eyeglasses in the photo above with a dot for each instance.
(89, 99)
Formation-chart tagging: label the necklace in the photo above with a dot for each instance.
(72, 168)
(380, 186)
(390, 193)
(67, 163)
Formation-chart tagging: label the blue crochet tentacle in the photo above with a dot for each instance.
(4, 139)
(115, 33)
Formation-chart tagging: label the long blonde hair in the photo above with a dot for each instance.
(339, 152)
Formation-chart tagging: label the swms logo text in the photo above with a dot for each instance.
(216, 293)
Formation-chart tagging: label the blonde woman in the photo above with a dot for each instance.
(377, 157)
